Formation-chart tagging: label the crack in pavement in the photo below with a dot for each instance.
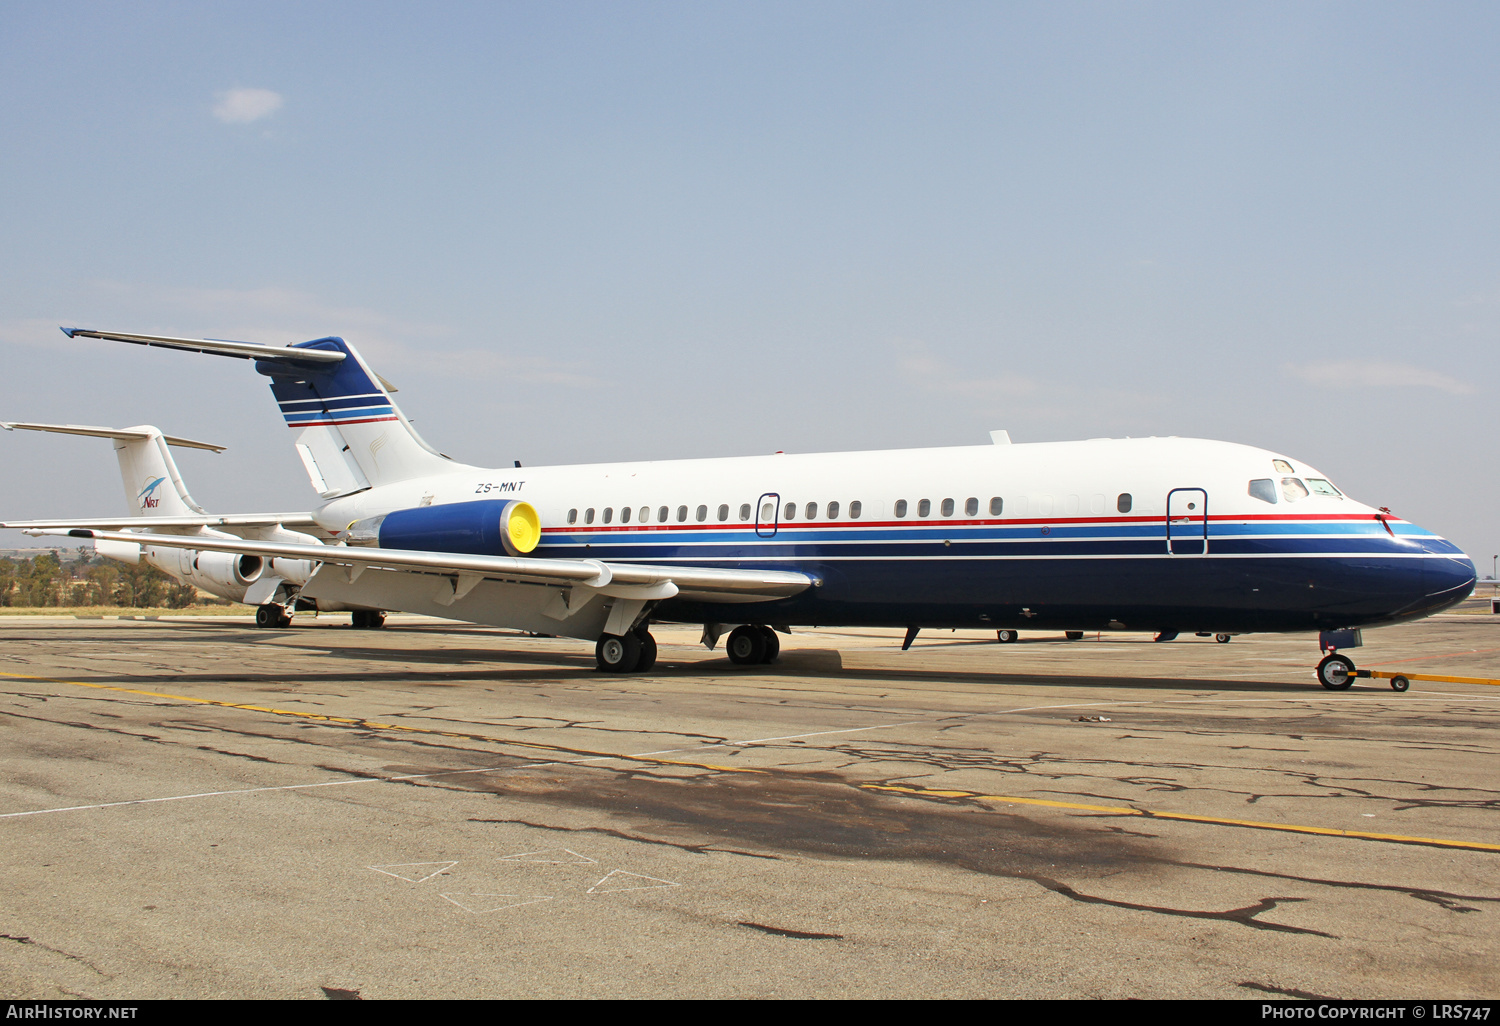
(29, 942)
(778, 931)
(1446, 899)
(1244, 916)
(1289, 992)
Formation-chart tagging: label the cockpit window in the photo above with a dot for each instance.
(1264, 489)
(1283, 466)
(1292, 489)
(1322, 487)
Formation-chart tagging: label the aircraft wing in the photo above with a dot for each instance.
(225, 520)
(623, 579)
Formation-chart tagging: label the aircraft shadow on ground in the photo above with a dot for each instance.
(478, 664)
(465, 665)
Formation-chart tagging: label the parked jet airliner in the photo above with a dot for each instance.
(1158, 534)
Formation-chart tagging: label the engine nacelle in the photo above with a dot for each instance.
(224, 571)
(293, 571)
(125, 552)
(489, 527)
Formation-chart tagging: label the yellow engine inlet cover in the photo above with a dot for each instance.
(520, 528)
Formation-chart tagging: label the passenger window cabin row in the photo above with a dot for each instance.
(946, 507)
(663, 514)
(791, 511)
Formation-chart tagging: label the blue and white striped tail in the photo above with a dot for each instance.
(350, 409)
(345, 393)
(351, 435)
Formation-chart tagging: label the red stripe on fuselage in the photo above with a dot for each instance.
(745, 525)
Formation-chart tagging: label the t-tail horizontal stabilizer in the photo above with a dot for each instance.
(213, 347)
(153, 485)
(350, 434)
(138, 449)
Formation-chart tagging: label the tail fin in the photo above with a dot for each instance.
(350, 435)
(153, 486)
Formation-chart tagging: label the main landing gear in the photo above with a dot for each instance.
(632, 653)
(753, 643)
(272, 615)
(367, 619)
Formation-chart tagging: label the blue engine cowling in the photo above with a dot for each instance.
(489, 527)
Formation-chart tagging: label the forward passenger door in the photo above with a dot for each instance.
(1187, 522)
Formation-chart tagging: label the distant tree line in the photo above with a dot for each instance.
(88, 580)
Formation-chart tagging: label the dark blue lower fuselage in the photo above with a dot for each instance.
(1071, 578)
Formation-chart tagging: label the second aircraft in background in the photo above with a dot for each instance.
(161, 505)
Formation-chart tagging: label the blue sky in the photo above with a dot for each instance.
(575, 232)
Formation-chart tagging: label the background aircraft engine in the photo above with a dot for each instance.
(486, 528)
(293, 571)
(218, 571)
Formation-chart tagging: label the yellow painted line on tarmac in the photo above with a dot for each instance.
(1127, 810)
(349, 721)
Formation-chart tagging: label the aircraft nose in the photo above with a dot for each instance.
(1448, 578)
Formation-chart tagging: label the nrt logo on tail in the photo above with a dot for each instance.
(148, 497)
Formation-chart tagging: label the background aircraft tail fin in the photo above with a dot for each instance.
(153, 486)
(350, 434)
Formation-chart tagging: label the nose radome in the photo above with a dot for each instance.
(1449, 577)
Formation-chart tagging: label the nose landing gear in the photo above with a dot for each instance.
(1336, 672)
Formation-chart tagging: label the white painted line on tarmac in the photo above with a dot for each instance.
(481, 903)
(624, 881)
(425, 867)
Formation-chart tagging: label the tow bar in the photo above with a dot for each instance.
(1402, 681)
